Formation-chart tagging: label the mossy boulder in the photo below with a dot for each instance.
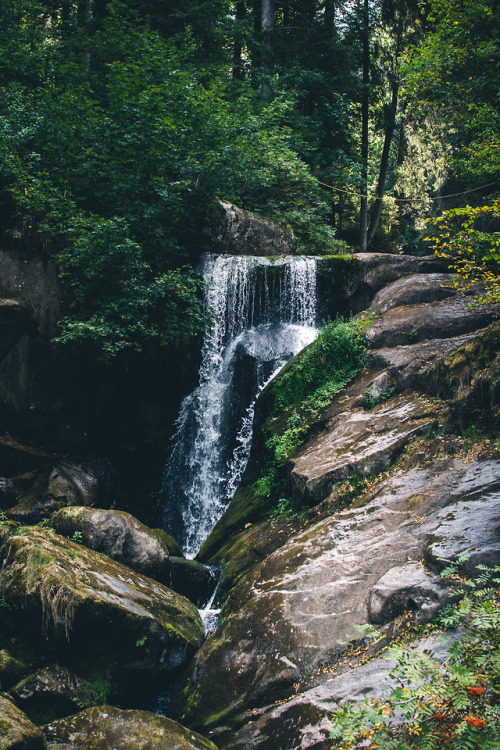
(17, 732)
(109, 728)
(91, 613)
(118, 535)
(169, 542)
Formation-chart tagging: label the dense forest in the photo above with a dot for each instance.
(122, 122)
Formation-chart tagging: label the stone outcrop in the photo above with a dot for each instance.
(109, 728)
(435, 320)
(304, 722)
(413, 290)
(294, 613)
(238, 232)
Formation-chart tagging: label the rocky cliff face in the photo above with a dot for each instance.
(388, 489)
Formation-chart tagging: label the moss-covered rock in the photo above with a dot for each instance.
(109, 728)
(91, 613)
(169, 542)
(17, 732)
(118, 535)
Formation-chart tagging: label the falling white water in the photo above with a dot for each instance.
(263, 314)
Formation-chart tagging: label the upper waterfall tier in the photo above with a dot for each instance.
(263, 313)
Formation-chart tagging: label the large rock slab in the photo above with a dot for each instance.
(413, 290)
(109, 728)
(410, 365)
(91, 613)
(17, 732)
(357, 441)
(304, 722)
(446, 318)
(295, 613)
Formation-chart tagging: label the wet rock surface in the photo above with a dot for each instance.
(401, 326)
(109, 728)
(415, 289)
(295, 613)
(304, 722)
(358, 441)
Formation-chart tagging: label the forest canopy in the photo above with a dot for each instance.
(122, 121)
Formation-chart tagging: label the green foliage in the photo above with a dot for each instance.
(77, 537)
(323, 368)
(470, 239)
(439, 705)
(370, 402)
(308, 383)
(455, 71)
(96, 692)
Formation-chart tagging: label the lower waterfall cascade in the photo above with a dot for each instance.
(263, 313)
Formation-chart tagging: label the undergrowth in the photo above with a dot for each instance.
(453, 705)
(306, 386)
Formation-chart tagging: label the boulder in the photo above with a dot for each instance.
(356, 441)
(446, 318)
(293, 615)
(109, 728)
(191, 579)
(50, 693)
(238, 232)
(118, 535)
(92, 614)
(17, 732)
(413, 290)
(63, 483)
(169, 542)
(407, 587)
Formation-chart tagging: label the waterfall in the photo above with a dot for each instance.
(263, 314)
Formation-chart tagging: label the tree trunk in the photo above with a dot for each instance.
(384, 162)
(365, 42)
(238, 42)
(267, 25)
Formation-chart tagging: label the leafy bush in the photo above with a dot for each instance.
(470, 239)
(452, 705)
